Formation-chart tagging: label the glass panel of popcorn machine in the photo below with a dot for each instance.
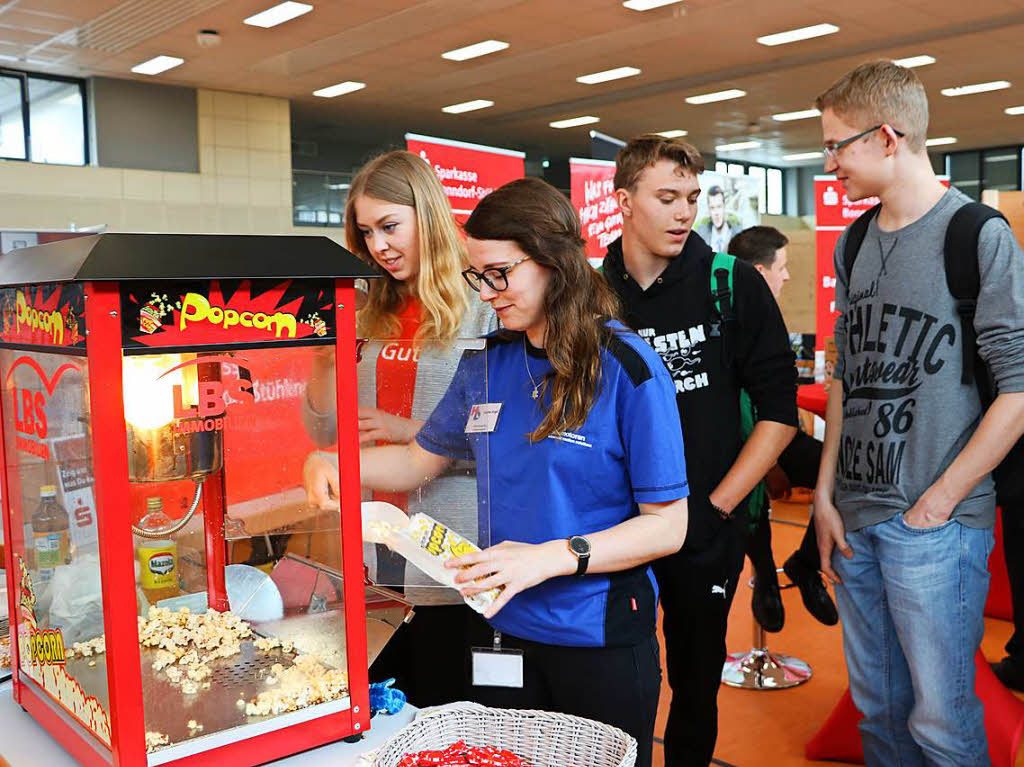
(53, 515)
(219, 442)
(409, 532)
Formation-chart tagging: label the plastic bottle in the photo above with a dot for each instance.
(51, 527)
(158, 558)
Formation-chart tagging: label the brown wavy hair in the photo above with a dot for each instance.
(403, 178)
(578, 302)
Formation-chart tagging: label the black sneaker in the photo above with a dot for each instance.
(767, 606)
(812, 590)
(1010, 671)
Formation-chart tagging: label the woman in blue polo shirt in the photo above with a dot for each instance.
(582, 477)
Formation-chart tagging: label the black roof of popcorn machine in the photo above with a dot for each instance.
(113, 256)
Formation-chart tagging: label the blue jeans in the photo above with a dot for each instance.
(912, 604)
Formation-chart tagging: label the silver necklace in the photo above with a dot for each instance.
(526, 361)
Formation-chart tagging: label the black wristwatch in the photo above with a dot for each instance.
(580, 548)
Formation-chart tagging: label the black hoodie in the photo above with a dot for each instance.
(676, 315)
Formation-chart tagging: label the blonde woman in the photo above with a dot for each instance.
(418, 318)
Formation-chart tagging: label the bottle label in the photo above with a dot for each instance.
(51, 550)
(158, 567)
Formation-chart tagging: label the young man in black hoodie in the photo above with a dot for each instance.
(661, 271)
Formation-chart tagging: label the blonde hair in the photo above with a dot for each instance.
(881, 92)
(403, 178)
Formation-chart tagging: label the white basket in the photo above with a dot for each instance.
(542, 738)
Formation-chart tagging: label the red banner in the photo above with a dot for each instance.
(468, 172)
(834, 211)
(592, 190)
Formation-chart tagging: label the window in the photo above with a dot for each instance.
(56, 124)
(771, 180)
(756, 171)
(42, 118)
(318, 199)
(1000, 169)
(774, 192)
(12, 118)
(972, 172)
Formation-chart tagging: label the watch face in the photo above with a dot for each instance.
(580, 546)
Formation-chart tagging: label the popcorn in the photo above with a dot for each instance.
(154, 740)
(96, 646)
(304, 684)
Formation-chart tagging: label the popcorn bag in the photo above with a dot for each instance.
(424, 542)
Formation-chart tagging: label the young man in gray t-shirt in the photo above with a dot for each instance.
(905, 503)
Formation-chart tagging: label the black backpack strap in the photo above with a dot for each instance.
(964, 281)
(855, 234)
(721, 294)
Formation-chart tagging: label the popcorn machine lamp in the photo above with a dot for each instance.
(160, 390)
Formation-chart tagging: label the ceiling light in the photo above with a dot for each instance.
(477, 49)
(795, 35)
(914, 61)
(646, 5)
(1014, 110)
(709, 98)
(339, 89)
(572, 122)
(967, 90)
(278, 14)
(157, 65)
(467, 106)
(803, 156)
(609, 74)
(673, 133)
(738, 146)
(801, 115)
(940, 141)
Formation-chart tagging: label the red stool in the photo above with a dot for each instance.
(839, 739)
(998, 604)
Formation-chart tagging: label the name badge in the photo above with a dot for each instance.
(483, 417)
(497, 668)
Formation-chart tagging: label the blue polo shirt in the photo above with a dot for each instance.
(629, 451)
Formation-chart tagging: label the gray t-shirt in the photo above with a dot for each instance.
(906, 415)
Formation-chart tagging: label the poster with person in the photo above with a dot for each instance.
(728, 204)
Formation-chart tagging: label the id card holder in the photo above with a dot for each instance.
(483, 418)
(497, 667)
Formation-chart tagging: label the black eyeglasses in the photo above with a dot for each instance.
(496, 277)
(832, 150)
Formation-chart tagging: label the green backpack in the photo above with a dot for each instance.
(721, 294)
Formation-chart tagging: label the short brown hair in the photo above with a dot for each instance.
(881, 92)
(758, 245)
(644, 151)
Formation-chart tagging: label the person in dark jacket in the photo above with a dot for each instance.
(764, 248)
(661, 271)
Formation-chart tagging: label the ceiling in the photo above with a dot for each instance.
(394, 46)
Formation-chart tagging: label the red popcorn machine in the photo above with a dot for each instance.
(153, 434)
